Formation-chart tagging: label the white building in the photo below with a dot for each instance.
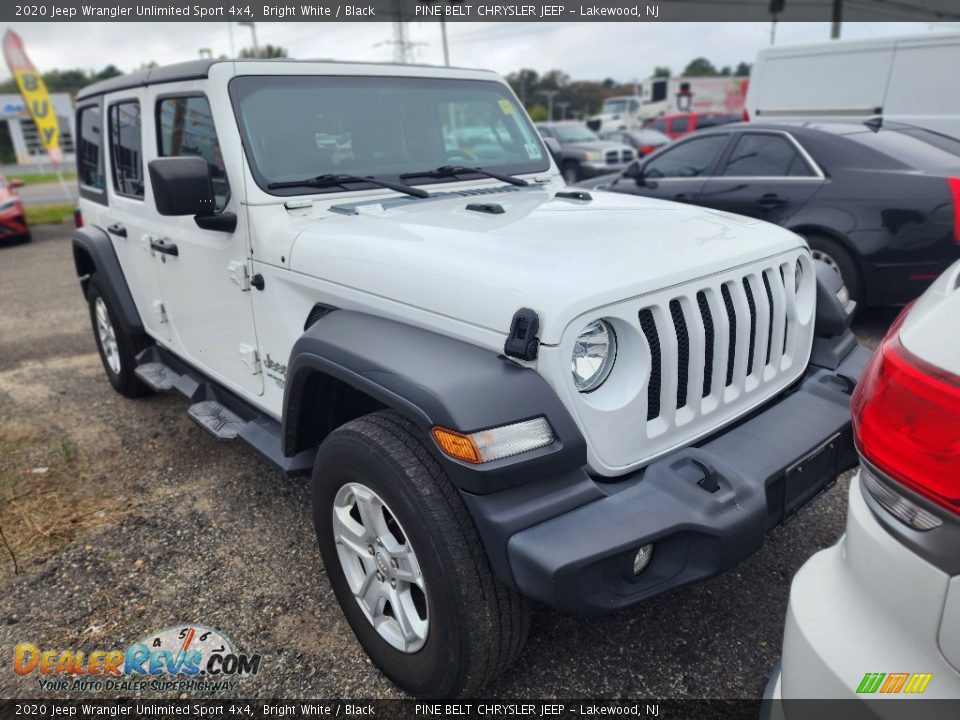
(26, 142)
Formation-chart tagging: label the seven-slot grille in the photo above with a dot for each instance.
(718, 341)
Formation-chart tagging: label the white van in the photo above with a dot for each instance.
(907, 79)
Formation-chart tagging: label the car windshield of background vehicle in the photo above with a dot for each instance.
(379, 126)
(913, 146)
(574, 133)
(690, 159)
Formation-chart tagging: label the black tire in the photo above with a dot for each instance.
(836, 255)
(476, 626)
(129, 345)
(571, 172)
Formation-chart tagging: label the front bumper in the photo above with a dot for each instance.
(591, 170)
(703, 508)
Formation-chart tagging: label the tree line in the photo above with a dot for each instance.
(580, 98)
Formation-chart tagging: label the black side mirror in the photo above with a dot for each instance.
(553, 146)
(635, 172)
(183, 186)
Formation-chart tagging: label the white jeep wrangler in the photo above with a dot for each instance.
(504, 388)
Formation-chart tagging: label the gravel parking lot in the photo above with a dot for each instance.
(126, 517)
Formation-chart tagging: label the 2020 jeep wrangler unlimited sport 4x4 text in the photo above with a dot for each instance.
(504, 388)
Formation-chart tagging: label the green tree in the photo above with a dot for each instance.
(538, 112)
(525, 83)
(264, 53)
(662, 71)
(743, 70)
(700, 67)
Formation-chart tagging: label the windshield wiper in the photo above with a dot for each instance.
(451, 170)
(325, 181)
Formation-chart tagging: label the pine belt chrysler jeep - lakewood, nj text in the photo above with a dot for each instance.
(504, 388)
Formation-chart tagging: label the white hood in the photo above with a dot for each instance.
(559, 257)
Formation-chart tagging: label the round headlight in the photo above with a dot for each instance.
(594, 355)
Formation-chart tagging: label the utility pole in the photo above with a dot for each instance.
(253, 32)
(836, 19)
(776, 7)
(446, 47)
(551, 94)
(233, 52)
(562, 107)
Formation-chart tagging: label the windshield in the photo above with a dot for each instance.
(299, 127)
(614, 106)
(573, 133)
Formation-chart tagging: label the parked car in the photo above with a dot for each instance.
(878, 203)
(13, 220)
(582, 153)
(677, 125)
(902, 79)
(503, 388)
(897, 566)
(643, 141)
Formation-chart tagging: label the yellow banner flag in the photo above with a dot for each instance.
(35, 95)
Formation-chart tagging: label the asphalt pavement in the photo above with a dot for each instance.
(170, 526)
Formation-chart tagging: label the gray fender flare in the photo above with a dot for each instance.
(433, 380)
(93, 253)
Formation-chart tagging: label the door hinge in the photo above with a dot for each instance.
(160, 310)
(239, 272)
(250, 358)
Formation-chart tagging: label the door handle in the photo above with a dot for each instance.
(771, 200)
(164, 247)
(682, 197)
(117, 229)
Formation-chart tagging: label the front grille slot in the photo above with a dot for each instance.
(649, 327)
(766, 287)
(613, 157)
(732, 331)
(753, 324)
(683, 351)
(707, 318)
(627, 156)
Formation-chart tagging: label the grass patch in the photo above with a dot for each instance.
(48, 214)
(46, 501)
(43, 177)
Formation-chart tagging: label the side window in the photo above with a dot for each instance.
(680, 124)
(757, 155)
(89, 148)
(659, 91)
(185, 127)
(686, 160)
(660, 125)
(126, 148)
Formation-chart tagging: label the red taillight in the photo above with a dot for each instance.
(906, 420)
(77, 218)
(647, 149)
(746, 115)
(955, 193)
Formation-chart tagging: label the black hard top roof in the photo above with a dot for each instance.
(200, 70)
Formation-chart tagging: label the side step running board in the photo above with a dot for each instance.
(219, 411)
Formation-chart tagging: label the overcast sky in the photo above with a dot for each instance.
(623, 51)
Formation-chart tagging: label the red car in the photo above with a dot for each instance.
(13, 222)
(680, 124)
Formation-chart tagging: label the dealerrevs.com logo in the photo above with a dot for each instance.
(894, 683)
(182, 658)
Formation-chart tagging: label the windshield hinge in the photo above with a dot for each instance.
(250, 358)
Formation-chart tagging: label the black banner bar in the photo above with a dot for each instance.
(259, 709)
(470, 10)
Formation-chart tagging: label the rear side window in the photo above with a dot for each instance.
(757, 155)
(914, 147)
(185, 127)
(680, 124)
(686, 160)
(89, 148)
(660, 125)
(126, 149)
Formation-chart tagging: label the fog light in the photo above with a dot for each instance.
(642, 558)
